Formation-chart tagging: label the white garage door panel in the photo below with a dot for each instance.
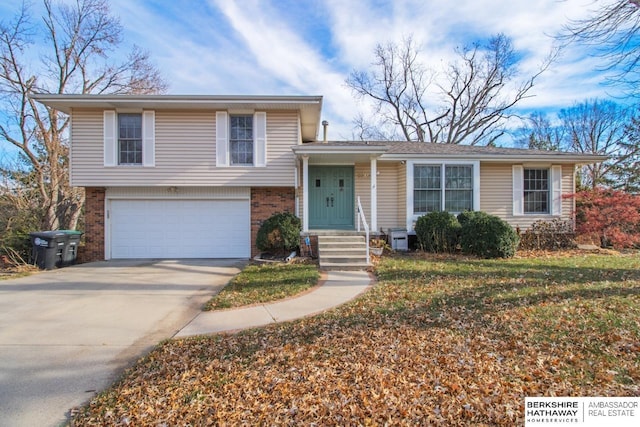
(180, 229)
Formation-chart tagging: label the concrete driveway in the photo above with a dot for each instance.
(67, 334)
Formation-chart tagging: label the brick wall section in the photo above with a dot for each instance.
(309, 251)
(93, 249)
(265, 201)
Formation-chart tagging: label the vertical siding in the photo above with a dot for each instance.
(185, 153)
(496, 194)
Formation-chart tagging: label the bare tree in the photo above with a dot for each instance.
(20, 211)
(591, 127)
(613, 30)
(541, 134)
(74, 42)
(627, 171)
(598, 127)
(468, 105)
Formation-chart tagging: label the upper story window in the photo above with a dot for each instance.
(241, 139)
(429, 193)
(536, 191)
(129, 139)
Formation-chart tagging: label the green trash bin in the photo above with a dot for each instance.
(70, 251)
(47, 248)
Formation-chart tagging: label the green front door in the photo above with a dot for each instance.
(331, 197)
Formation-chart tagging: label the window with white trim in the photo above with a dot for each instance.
(427, 188)
(428, 194)
(536, 191)
(241, 139)
(129, 139)
(458, 188)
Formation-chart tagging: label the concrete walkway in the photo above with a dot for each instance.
(67, 333)
(340, 287)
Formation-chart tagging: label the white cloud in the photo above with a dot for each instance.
(274, 47)
(280, 51)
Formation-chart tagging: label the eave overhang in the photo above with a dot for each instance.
(309, 107)
(330, 153)
(402, 151)
(555, 158)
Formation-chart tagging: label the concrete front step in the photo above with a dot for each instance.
(342, 252)
(333, 251)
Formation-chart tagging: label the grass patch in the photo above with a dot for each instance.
(438, 340)
(264, 283)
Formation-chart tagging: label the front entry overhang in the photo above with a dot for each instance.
(332, 153)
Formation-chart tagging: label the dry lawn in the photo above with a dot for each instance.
(438, 340)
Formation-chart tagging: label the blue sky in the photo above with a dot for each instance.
(290, 47)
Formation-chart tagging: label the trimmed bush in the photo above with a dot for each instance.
(466, 216)
(437, 232)
(487, 236)
(548, 235)
(279, 234)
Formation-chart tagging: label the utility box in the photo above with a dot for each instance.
(398, 239)
(47, 248)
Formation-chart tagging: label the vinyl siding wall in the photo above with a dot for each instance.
(496, 194)
(362, 172)
(185, 153)
(391, 206)
(391, 182)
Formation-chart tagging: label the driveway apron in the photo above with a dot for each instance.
(67, 334)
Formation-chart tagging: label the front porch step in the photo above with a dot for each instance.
(342, 252)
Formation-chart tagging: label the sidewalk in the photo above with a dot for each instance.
(340, 287)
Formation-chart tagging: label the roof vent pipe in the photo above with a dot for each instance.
(324, 131)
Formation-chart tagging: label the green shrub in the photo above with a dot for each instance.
(548, 235)
(279, 234)
(487, 236)
(466, 216)
(437, 232)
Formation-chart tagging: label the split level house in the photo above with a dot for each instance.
(170, 176)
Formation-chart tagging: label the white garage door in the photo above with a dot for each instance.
(180, 229)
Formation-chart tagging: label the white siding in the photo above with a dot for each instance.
(185, 153)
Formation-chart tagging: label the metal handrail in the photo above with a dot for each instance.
(366, 225)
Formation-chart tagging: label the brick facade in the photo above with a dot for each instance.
(93, 249)
(265, 201)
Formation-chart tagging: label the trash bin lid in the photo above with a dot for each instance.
(52, 234)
